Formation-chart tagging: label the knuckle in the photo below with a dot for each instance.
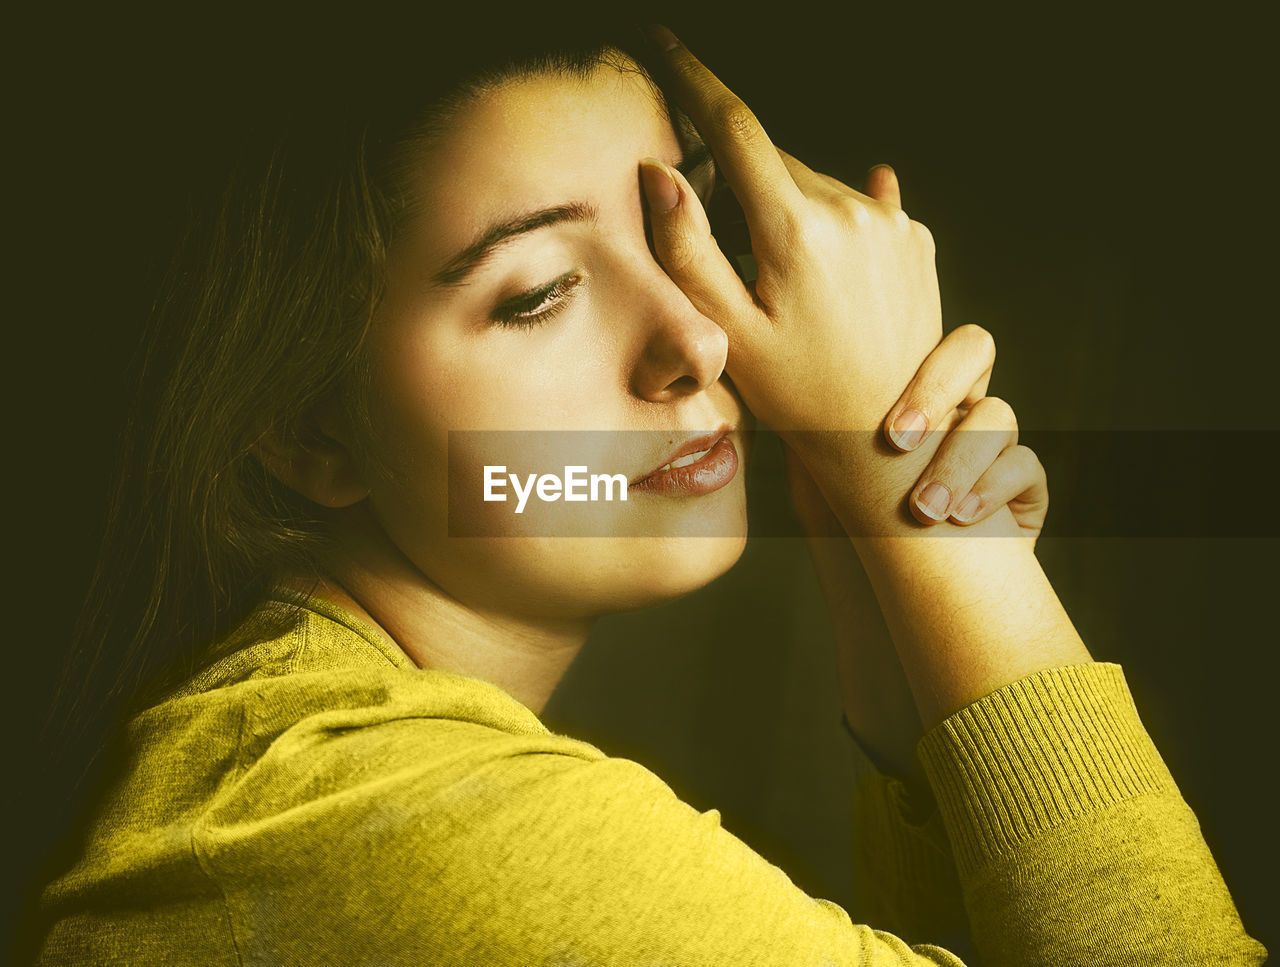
(984, 344)
(811, 231)
(678, 251)
(854, 212)
(901, 221)
(736, 120)
(1028, 471)
(996, 410)
(924, 237)
(1028, 458)
(960, 465)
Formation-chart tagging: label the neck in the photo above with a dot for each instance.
(524, 655)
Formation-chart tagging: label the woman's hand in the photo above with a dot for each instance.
(972, 474)
(976, 470)
(845, 305)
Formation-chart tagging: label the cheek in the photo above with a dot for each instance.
(446, 406)
(543, 379)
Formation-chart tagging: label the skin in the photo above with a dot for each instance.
(630, 350)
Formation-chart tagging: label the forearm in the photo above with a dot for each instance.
(876, 698)
(969, 609)
(904, 869)
(874, 692)
(968, 616)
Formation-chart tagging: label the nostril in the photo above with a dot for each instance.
(685, 384)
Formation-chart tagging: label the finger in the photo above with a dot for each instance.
(1017, 479)
(966, 453)
(882, 185)
(956, 373)
(685, 248)
(742, 149)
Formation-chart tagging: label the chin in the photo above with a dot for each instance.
(591, 577)
(662, 569)
(638, 560)
(678, 550)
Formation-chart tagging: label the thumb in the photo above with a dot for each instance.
(685, 248)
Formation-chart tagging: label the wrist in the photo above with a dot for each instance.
(968, 616)
(866, 483)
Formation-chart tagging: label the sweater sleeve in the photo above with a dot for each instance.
(445, 842)
(1072, 842)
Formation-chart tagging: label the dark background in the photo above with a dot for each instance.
(1101, 186)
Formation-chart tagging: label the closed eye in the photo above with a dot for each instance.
(537, 306)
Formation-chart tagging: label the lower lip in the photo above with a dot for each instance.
(706, 476)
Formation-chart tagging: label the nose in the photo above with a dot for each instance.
(682, 351)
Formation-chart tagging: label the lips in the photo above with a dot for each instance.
(695, 447)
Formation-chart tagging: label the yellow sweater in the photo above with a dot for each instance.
(316, 799)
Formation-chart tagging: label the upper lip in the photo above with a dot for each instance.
(704, 441)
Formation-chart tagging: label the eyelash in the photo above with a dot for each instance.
(519, 313)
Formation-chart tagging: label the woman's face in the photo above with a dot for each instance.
(567, 324)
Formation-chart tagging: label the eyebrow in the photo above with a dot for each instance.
(456, 270)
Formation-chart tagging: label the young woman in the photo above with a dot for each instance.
(331, 669)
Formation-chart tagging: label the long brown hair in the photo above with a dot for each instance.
(261, 316)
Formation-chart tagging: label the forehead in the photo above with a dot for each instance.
(539, 142)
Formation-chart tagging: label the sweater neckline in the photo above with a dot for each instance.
(336, 613)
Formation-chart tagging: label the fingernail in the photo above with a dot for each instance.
(968, 508)
(660, 189)
(933, 500)
(663, 37)
(908, 429)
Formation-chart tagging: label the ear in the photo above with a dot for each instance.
(314, 460)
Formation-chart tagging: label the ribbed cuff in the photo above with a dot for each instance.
(1040, 752)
